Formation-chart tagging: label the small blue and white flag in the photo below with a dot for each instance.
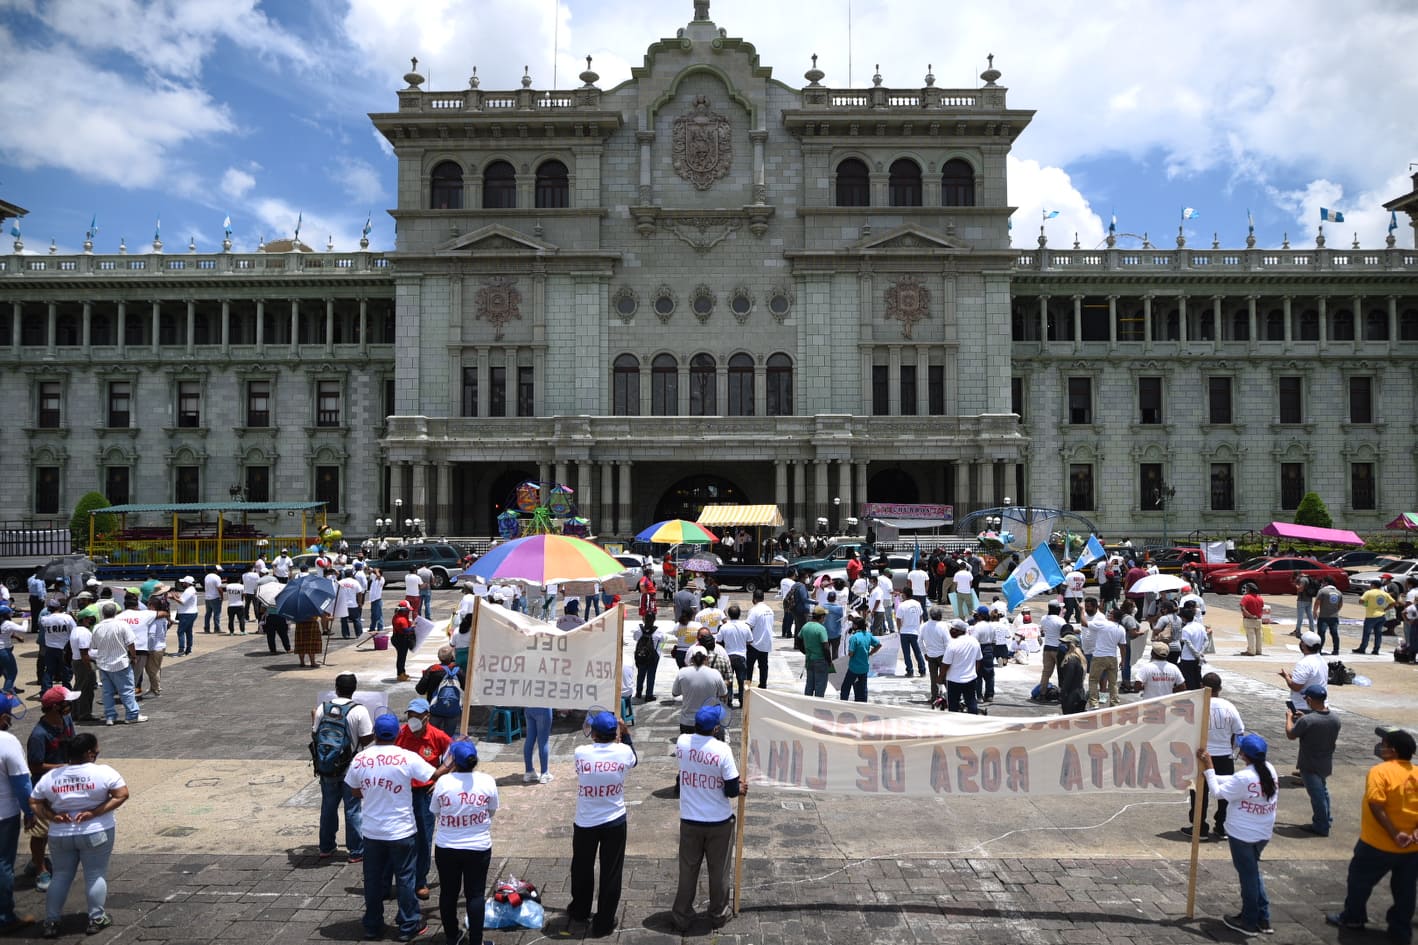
(1113, 224)
(15, 228)
(1050, 214)
(368, 225)
(1092, 551)
(93, 227)
(1190, 213)
(1036, 575)
(157, 230)
(1333, 216)
(1250, 220)
(1392, 220)
(226, 225)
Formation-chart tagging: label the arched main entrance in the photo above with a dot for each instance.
(893, 485)
(685, 498)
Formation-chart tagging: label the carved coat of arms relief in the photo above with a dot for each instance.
(702, 145)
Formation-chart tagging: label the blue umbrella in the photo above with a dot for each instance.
(305, 598)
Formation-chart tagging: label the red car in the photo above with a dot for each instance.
(1274, 576)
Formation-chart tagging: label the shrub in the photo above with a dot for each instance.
(1312, 511)
(104, 525)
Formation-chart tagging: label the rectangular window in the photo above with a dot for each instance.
(327, 487)
(258, 483)
(1361, 486)
(49, 400)
(1016, 397)
(388, 397)
(115, 484)
(1149, 400)
(327, 403)
(120, 404)
(1080, 487)
(1150, 485)
(258, 403)
(1361, 400)
(880, 399)
(497, 395)
(526, 390)
(935, 390)
(46, 490)
(1223, 488)
(470, 392)
(908, 390)
(189, 404)
(1080, 400)
(1291, 401)
(187, 484)
(1218, 399)
(1292, 485)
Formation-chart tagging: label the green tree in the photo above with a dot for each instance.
(1312, 511)
(79, 522)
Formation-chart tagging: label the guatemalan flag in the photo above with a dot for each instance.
(1091, 552)
(1035, 575)
(1333, 216)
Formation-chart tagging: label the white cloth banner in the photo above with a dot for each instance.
(800, 743)
(521, 661)
(1214, 552)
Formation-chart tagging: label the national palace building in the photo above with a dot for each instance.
(709, 285)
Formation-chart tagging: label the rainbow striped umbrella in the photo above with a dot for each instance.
(544, 559)
(677, 531)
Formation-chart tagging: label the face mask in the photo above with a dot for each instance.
(416, 724)
(1379, 751)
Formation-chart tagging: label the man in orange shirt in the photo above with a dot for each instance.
(1252, 610)
(430, 744)
(1387, 842)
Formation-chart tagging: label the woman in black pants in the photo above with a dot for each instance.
(463, 803)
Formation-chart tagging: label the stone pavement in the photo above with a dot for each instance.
(217, 843)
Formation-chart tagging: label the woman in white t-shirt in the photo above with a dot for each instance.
(463, 803)
(600, 824)
(1250, 822)
(78, 801)
(9, 633)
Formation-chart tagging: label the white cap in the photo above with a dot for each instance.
(1310, 638)
(188, 580)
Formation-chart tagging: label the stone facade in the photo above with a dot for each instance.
(706, 285)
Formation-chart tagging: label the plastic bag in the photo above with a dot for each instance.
(1362, 681)
(504, 915)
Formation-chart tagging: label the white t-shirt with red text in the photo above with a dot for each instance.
(705, 763)
(382, 774)
(75, 788)
(600, 778)
(463, 803)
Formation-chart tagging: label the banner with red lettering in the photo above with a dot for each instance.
(520, 661)
(800, 743)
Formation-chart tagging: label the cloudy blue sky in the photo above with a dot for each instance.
(188, 110)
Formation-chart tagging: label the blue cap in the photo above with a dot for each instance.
(1315, 691)
(708, 718)
(386, 726)
(418, 706)
(462, 753)
(603, 723)
(1252, 746)
(982, 611)
(9, 703)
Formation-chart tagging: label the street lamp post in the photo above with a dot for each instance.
(1161, 498)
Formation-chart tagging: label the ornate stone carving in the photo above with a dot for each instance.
(908, 301)
(704, 233)
(702, 302)
(741, 304)
(780, 304)
(498, 302)
(702, 145)
(625, 303)
(665, 303)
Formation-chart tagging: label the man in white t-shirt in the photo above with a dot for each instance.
(186, 614)
(426, 591)
(55, 627)
(934, 638)
(1222, 734)
(1310, 670)
(347, 604)
(112, 649)
(760, 644)
(140, 622)
(1158, 676)
(908, 624)
(960, 665)
(212, 595)
(281, 566)
(333, 790)
(1109, 641)
(1074, 583)
(15, 790)
(382, 777)
(708, 779)
(412, 591)
(1050, 628)
(234, 596)
(250, 580)
(917, 581)
(734, 636)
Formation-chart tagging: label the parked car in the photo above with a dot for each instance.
(635, 566)
(1399, 568)
(1355, 561)
(1274, 576)
(899, 564)
(443, 559)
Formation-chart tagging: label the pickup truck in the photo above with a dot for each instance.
(751, 577)
(836, 557)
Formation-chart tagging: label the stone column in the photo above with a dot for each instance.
(1112, 321)
(1361, 320)
(1392, 320)
(87, 339)
(923, 380)
(120, 338)
(760, 388)
(485, 383)
(226, 326)
(443, 518)
(363, 326)
(605, 513)
(1043, 319)
(682, 407)
(780, 484)
(893, 380)
(560, 472)
(329, 327)
(261, 326)
(1147, 321)
(1289, 334)
(191, 325)
(625, 501)
(647, 191)
(820, 499)
(294, 325)
(420, 500)
(543, 472)
(1252, 328)
(1324, 319)
(156, 319)
(1216, 301)
(1077, 323)
(1182, 333)
(585, 494)
(844, 489)
(861, 490)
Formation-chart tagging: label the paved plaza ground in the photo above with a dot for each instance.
(218, 841)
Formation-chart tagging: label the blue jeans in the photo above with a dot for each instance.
(1332, 625)
(1365, 870)
(423, 816)
(352, 616)
(384, 859)
(856, 685)
(645, 678)
(185, 623)
(118, 687)
(426, 597)
(9, 669)
(333, 792)
(538, 723)
(816, 679)
(1245, 857)
(213, 620)
(9, 843)
(376, 615)
(1374, 625)
(910, 643)
(1319, 801)
(985, 683)
(591, 605)
(67, 854)
(1304, 611)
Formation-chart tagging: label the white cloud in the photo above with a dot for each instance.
(360, 180)
(237, 183)
(1034, 189)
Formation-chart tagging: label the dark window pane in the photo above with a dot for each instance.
(1218, 391)
(115, 485)
(497, 394)
(327, 404)
(1223, 488)
(258, 483)
(1291, 406)
(553, 185)
(187, 484)
(189, 404)
(1292, 485)
(741, 386)
(908, 390)
(499, 186)
(446, 187)
(703, 393)
(327, 487)
(49, 405)
(780, 385)
(1150, 486)
(1361, 400)
(853, 184)
(258, 403)
(625, 386)
(46, 490)
(1149, 399)
(905, 183)
(880, 395)
(1080, 400)
(120, 402)
(664, 386)
(526, 392)
(935, 390)
(1094, 313)
(470, 392)
(1016, 397)
(1080, 487)
(1361, 481)
(957, 184)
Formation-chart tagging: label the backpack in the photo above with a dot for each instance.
(331, 746)
(797, 597)
(448, 699)
(1339, 674)
(645, 649)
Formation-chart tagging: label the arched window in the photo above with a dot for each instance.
(703, 386)
(446, 187)
(741, 385)
(1376, 325)
(957, 184)
(664, 386)
(853, 184)
(1275, 325)
(780, 385)
(625, 388)
(553, 186)
(499, 186)
(1341, 325)
(905, 183)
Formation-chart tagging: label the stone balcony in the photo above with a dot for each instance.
(1215, 262)
(149, 265)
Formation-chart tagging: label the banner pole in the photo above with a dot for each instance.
(743, 800)
(1198, 811)
(468, 670)
(618, 682)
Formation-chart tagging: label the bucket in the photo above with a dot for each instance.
(381, 641)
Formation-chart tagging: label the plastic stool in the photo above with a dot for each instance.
(504, 724)
(627, 710)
